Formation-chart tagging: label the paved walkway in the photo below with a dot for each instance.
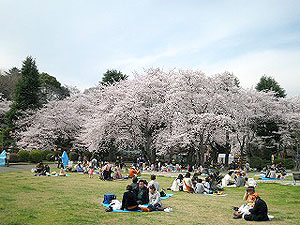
(17, 167)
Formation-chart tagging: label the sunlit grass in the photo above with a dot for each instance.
(25, 199)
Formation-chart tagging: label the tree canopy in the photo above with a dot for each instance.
(113, 76)
(268, 83)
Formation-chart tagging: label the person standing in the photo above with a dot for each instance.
(7, 158)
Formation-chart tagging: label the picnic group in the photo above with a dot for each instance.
(146, 196)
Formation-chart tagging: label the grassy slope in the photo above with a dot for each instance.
(25, 199)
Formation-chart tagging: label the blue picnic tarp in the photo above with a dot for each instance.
(65, 159)
(2, 158)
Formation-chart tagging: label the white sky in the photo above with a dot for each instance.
(78, 40)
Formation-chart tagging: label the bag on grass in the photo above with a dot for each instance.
(108, 198)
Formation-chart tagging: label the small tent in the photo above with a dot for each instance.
(65, 159)
(2, 158)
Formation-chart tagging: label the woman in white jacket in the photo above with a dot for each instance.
(177, 183)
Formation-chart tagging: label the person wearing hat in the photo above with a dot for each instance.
(259, 212)
(244, 209)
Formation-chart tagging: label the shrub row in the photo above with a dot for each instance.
(33, 156)
(257, 162)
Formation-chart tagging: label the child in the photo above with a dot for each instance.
(91, 172)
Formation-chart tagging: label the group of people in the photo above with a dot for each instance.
(274, 171)
(195, 184)
(237, 179)
(141, 193)
(41, 169)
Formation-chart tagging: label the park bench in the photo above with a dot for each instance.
(296, 176)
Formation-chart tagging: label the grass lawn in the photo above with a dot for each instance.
(25, 199)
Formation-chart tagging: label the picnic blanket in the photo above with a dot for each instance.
(266, 178)
(216, 195)
(56, 175)
(168, 195)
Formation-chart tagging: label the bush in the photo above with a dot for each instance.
(23, 155)
(256, 162)
(36, 156)
(45, 154)
(73, 156)
(287, 163)
(50, 157)
(14, 157)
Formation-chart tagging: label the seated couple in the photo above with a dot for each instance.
(41, 169)
(197, 187)
(131, 202)
(254, 210)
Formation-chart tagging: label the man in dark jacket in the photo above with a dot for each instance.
(129, 200)
(259, 212)
(135, 185)
(143, 193)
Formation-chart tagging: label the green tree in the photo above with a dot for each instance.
(8, 82)
(28, 87)
(113, 76)
(268, 83)
(27, 91)
(51, 89)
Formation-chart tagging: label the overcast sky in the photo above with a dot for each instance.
(78, 40)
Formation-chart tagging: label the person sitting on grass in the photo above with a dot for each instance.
(143, 193)
(244, 209)
(200, 189)
(79, 168)
(62, 171)
(129, 201)
(47, 169)
(107, 171)
(132, 172)
(118, 173)
(135, 185)
(240, 181)
(259, 212)
(154, 182)
(177, 184)
(154, 199)
(39, 167)
(187, 183)
(227, 181)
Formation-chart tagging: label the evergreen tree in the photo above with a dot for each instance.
(113, 76)
(270, 84)
(28, 87)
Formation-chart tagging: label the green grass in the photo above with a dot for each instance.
(25, 199)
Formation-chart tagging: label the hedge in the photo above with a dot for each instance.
(23, 155)
(14, 157)
(36, 156)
